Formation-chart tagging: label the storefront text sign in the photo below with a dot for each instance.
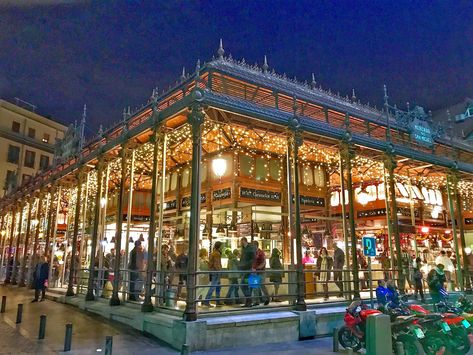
(186, 201)
(421, 132)
(222, 194)
(311, 201)
(260, 194)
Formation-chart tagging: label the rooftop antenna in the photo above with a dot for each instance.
(220, 51)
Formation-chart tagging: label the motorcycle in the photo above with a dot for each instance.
(353, 333)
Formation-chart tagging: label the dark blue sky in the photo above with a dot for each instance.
(111, 54)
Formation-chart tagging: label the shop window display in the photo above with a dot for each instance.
(246, 165)
(261, 169)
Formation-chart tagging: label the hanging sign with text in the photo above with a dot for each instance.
(260, 194)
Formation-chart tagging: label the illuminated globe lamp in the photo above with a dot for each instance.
(363, 197)
(219, 166)
(424, 229)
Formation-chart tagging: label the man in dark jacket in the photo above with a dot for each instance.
(436, 281)
(40, 277)
(338, 263)
(248, 254)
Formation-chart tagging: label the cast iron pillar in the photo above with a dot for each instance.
(389, 166)
(347, 154)
(47, 246)
(22, 282)
(147, 305)
(115, 300)
(195, 118)
(15, 270)
(10, 246)
(95, 232)
(295, 141)
(75, 232)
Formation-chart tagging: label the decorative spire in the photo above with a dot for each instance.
(313, 83)
(353, 95)
(408, 106)
(220, 51)
(84, 113)
(124, 114)
(183, 75)
(385, 95)
(197, 68)
(265, 65)
(100, 130)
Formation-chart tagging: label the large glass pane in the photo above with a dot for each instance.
(274, 167)
(203, 172)
(185, 177)
(173, 181)
(246, 165)
(319, 177)
(261, 169)
(307, 175)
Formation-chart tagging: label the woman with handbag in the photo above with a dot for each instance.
(40, 278)
(324, 265)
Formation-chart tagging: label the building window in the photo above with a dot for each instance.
(45, 138)
(13, 154)
(260, 169)
(25, 178)
(15, 127)
(10, 180)
(29, 159)
(43, 162)
(31, 132)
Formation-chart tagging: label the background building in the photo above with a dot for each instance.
(27, 142)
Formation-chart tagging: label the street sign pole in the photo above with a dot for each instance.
(370, 282)
(369, 250)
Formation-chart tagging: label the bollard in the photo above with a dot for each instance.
(19, 313)
(108, 345)
(4, 304)
(335, 340)
(42, 326)
(185, 349)
(399, 348)
(68, 338)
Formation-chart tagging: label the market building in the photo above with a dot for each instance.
(234, 151)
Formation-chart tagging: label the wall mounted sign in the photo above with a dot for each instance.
(222, 194)
(260, 194)
(372, 213)
(186, 201)
(170, 205)
(468, 220)
(421, 132)
(311, 201)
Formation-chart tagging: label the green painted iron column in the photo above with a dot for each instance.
(115, 300)
(22, 282)
(10, 246)
(47, 248)
(15, 270)
(295, 141)
(347, 154)
(147, 305)
(390, 165)
(195, 119)
(95, 232)
(75, 232)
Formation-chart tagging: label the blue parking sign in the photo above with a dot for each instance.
(369, 246)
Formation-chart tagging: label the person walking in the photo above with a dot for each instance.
(215, 265)
(448, 267)
(276, 274)
(338, 263)
(418, 279)
(40, 278)
(181, 268)
(203, 276)
(232, 296)
(248, 254)
(436, 280)
(136, 267)
(324, 265)
(259, 265)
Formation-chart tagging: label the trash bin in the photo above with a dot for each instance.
(170, 297)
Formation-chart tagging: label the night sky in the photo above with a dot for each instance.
(110, 54)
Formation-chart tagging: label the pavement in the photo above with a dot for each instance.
(88, 331)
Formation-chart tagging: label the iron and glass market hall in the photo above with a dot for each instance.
(236, 152)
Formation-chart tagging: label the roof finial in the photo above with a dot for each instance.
(313, 83)
(197, 67)
(129, 111)
(385, 95)
(183, 75)
(353, 95)
(265, 65)
(124, 111)
(408, 106)
(84, 113)
(100, 130)
(220, 51)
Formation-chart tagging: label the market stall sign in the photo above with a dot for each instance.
(468, 220)
(311, 201)
(170, 205)
(260, 194)
(369, 246)
(372, 213)
(222, 194)
(421, 132)
(186, 201)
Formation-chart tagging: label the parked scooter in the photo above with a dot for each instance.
(353, 333)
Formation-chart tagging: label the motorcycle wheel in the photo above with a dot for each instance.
(432, 343)
(459, 342)
(410, 343)
(349, 340)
